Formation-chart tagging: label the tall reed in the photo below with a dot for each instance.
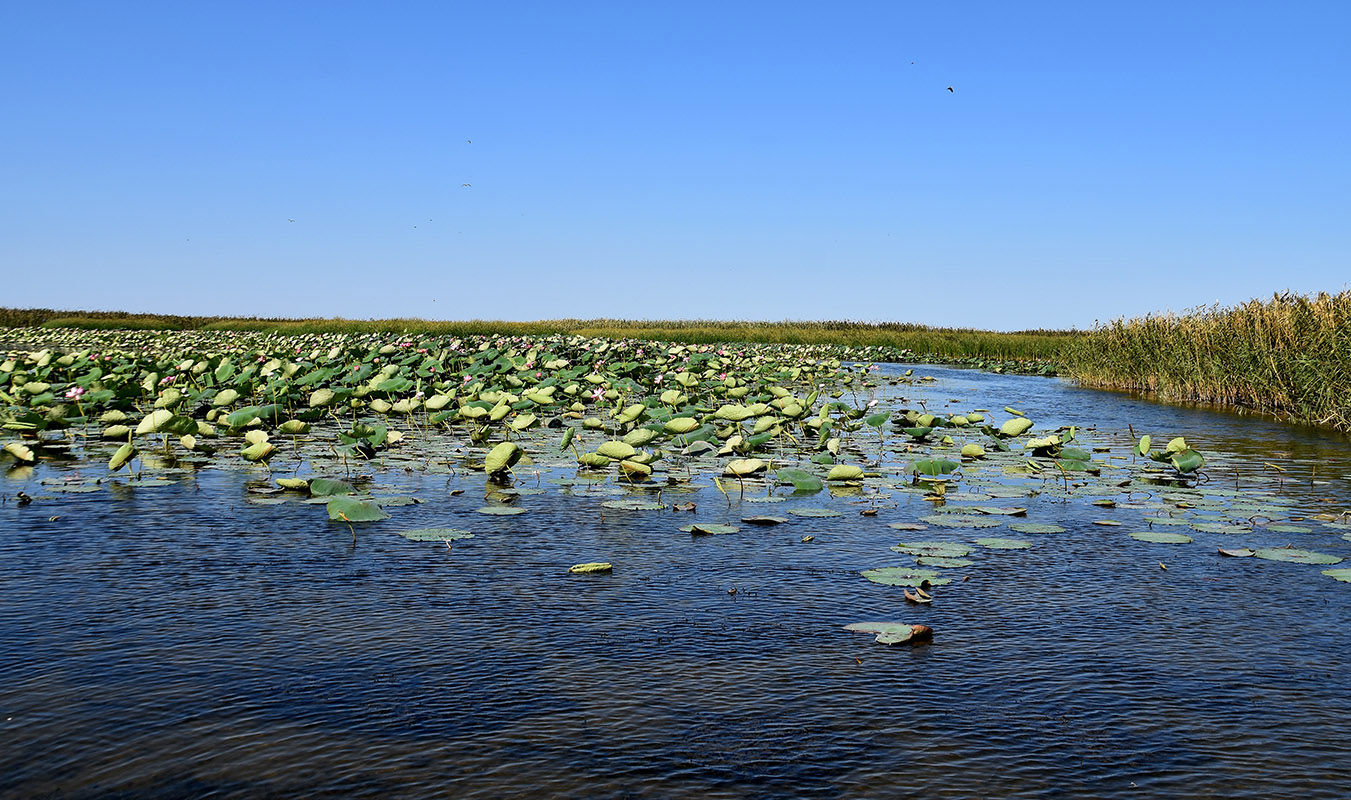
(1290, 355)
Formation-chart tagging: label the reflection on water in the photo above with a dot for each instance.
(180, 641)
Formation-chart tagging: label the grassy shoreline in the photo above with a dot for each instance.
(1289, 356)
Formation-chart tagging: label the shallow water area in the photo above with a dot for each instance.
(184, 639)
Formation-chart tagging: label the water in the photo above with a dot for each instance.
(180, 641)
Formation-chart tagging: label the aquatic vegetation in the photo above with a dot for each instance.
(629, 430)
(1289, 355)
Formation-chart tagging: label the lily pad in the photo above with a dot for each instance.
(436, 535)
(591, 567)
(350, 509)
(709, 529)
(1162, 537)
(961, 521)
(893, 632)
(1004, 544)
(764, 519)
(904, 576)
(1034, 527)
(941, 561)
(501, 511)
(633, 505)
(1343, 575)
(814, 512)
(1295, 555)
(934, 549)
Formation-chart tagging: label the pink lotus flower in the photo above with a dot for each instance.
(74, 392)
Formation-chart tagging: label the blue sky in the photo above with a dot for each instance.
(691, 160)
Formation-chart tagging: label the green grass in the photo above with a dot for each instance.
(1290, 355)
(950, 343)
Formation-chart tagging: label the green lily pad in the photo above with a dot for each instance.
(941, 561)
(1288, 529)
(633, 505)
(436, 535)
(845, 472)
(892, 632)
(501, 511)
(933, 549)
(961, 521)
(904, 576)
(326, 487)
(814, 512)
(1295, 555)
(591, 568)
(709, 529)
(501, 458)
(1162, 537)
(1215, 527)
(350, 509)
(763, 519)
(1343, 575)
(1004, 544)
(1034, 527)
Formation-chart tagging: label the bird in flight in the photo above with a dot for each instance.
(466, 185)
(950, 89)
(288, 219)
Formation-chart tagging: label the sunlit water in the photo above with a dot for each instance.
(180, 641)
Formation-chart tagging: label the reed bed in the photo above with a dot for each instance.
(952, 343)
(1290, 355)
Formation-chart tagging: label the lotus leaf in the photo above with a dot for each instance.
(700, 529)
(845, 472)
(350, 509)
(1296, 555)
(1004, 544)
(436, 535)
(893, 632)
(1162, 537)
(592, 567)
(904, 576)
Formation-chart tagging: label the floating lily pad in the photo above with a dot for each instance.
(591, 567)
(961, 521)
(1003, 544)
(933, 549)
(632, 505)
(325, 487)
(1288, 529)
(501, 511)
(1296, 555)
(75, 488)
(1343, 575)
(1215, 527)
(436, 535)
(893, 632)
(709, 529)
(814, 512)
(1034, 527)
(1165, 521)
(908, 526)
(764, 520)
(1162, 537)
(941, 561)
(904, 576)
(1238, 552)
(350, 509)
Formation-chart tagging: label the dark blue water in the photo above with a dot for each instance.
(182, 641)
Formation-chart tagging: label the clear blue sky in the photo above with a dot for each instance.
(677, 160)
